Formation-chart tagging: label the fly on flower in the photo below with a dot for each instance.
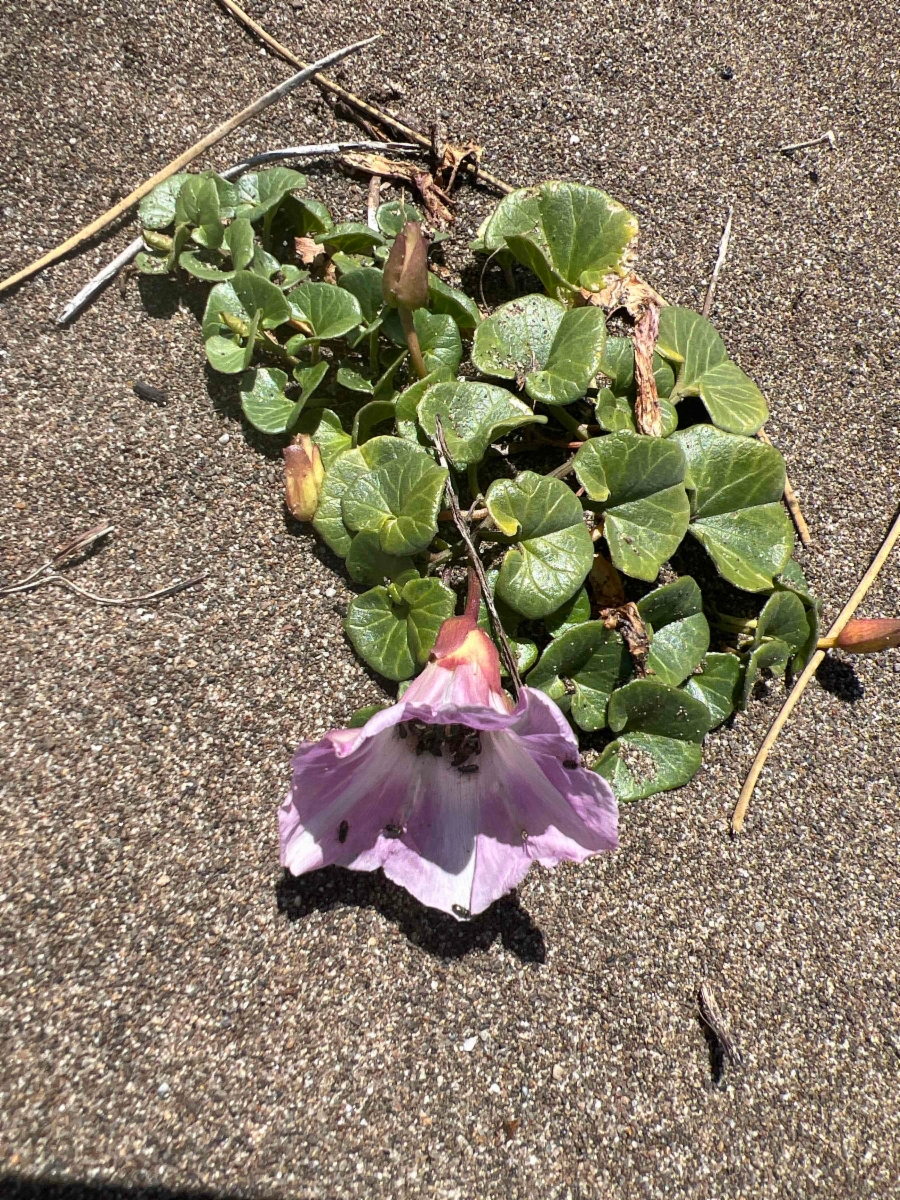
(454, 791)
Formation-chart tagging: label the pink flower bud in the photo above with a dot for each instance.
(868, 637)
(405, 279)
(304, 475)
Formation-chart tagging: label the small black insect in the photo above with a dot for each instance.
(147, 392)
(727, 73)
(401, 730)
(393, 831)
(343, 830)
(468, 768)
(570, 763)
(462, 913)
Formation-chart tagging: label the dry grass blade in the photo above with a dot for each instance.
(61, 581)
(740, 812)
(717, 1025)
(720, 262)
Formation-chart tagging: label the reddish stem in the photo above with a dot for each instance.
(473, 596)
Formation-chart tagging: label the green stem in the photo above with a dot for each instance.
(313, 353)
(569, 422)
(474, 485)
(373, 353)
(276, 348)
(412, 341)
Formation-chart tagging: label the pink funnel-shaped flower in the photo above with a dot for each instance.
(452, 792)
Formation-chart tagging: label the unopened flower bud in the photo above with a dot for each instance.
(405, 278)
(235, 324)
(869, 636)
(304, 475)
(157, 241)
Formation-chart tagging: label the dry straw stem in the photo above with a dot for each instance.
(369, 111)
(252, 110)
(740, 812)
(720, 262)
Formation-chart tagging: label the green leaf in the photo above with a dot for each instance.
(772, 656)
(783, 616)
(367, 563)
(157, 210)
(329, 311)
(525, 651)
(344, 470)
(581, 237)
(680, 630)
(258, 192)
(444, 299)
(439, 340)
(638, 765)
(325, 429)
(309, 378)
(363, 715)
(572, 614)
(616, 414)
(369, 416)
(396, 638)
(238, 241)
(581, 669)
(639, 483)
(351, 237)
(517, 213)
(732, 399)
(228, 352)
(253, 292)
(354, 382)
(554, 551)
(264, 403)
(392, 216)
(197, 204)
(649, 706)
(399, 501)
(365, 284)
(574, 358)
(615, 404)
(473, 415)
(717, 685)
(192, 262)
(406, 412)
(792, 579)
(151, 262)
(300, 216)
(736, 487)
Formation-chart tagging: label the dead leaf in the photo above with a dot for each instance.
(631, 293)
(606, 583)
(627, 621)
(308, 249)
(647, 411)
(450, 160)
(437, 202)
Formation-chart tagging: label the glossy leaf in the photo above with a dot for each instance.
(444, 299)
(367, 563)
(264, 403)
(581, 669)
(396, 638)
(473, 415)
(736, 486)
(231, 352)
(251, 292)
(783, 616)
(399, 501)
(572, 614)
(348, 467)
(773, 656)
(258, 192)
(197, 205)
(517, 213)
(329, 311)
(200, 267)
(680, 630)
(439, 340)
(582, 236)
(638, 765)
(639, 482)
(157, 209)
(406, 412)
(370, 416)
(354, 382)
(717, 685)
(238, 241)
(351, 237)
(365, 284)
(553, 551)
(732, 399)
(649, 706)
(393, 215)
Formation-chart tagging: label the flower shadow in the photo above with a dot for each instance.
(434, 932)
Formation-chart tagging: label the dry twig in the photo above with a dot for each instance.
(252, 110)
(720, 262)
(740, 812)
(717, 1025)
(370, 111)
(827, 136)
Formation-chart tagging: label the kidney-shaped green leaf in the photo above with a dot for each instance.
(581, 669)
(395, 633)
(648, 706)
(260, 191)
(157, 209)
(553, 552)
(472, 415)
(639, 482)
(439, 340)
(444, 299)
(347, 467)
(732, 399)
(717, 685)
(264, 403)
(638, 765)
(736, 485)
(680, 630)
(329, 311)
(399, 501)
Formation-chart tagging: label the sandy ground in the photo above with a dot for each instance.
(174, 1017)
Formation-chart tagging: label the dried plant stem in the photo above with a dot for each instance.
(61, 581)
(252, 110)
(370, 111)
(647, 411)
(740, 812)
(791, 503)
(476, 564)
(720, 262)
(374, 199)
